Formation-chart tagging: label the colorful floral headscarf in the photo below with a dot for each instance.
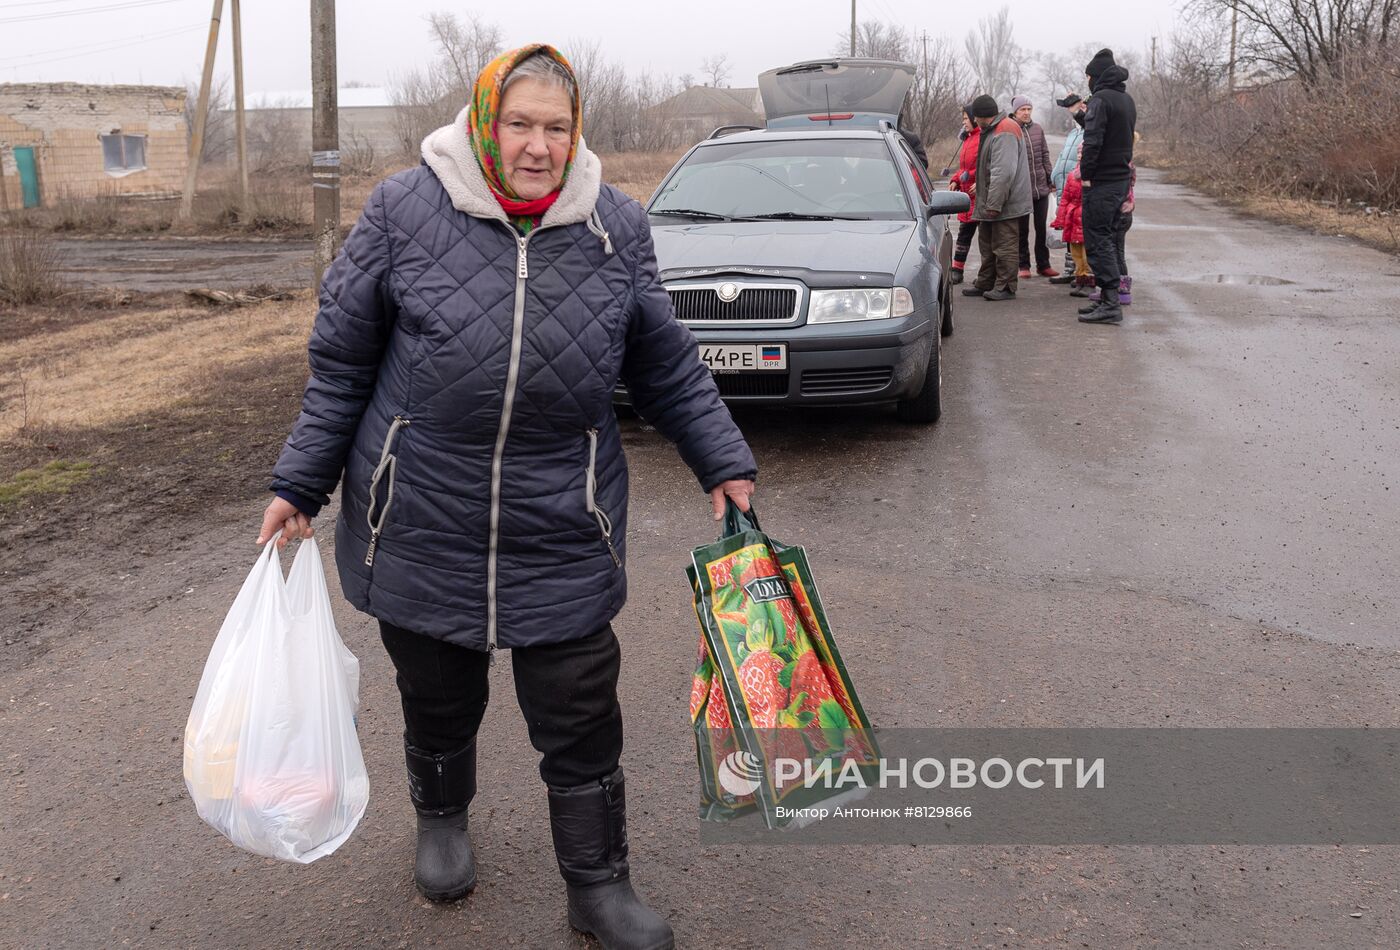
(481, 129)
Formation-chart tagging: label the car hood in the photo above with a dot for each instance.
(820, 253)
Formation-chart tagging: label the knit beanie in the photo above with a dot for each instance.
(984, 107)
(1019, 101)
(1101, 61)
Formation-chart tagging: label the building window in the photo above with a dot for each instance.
(123, 154)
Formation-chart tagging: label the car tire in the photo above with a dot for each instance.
(927, 404)
(945, 327)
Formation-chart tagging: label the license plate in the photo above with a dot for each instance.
(743, 358)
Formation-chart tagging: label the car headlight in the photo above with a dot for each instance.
(842, 306)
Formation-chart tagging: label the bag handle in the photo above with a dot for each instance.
(736, 521)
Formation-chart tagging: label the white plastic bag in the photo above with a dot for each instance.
(272, 760)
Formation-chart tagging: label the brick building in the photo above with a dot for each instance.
(74, 140)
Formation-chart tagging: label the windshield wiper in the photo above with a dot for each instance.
(691, 213)
(799, 216)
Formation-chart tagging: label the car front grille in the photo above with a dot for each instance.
(752, 384)
(845, 382)
(703, 304)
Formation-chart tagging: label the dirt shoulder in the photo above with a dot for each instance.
(121, 426)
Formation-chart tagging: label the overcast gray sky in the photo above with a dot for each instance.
(162, 41)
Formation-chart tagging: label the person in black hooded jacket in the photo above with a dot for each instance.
(1105, 167)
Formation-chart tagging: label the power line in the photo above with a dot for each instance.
(35, 3)
(85, 10)
(74, 52)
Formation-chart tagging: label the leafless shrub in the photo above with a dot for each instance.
(1289, 138)
(30, 267)
(279, 135)
(86, 214)
(277, 204)
(358, 155)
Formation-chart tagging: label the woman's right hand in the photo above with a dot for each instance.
(282, 515)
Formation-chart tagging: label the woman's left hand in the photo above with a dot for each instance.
(738, 489)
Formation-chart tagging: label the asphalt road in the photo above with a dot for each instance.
(1185, 520)
(170, 263)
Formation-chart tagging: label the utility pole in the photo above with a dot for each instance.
(853, 27)
(238, 104)
(325, 136)
(1234, 38)
(201, 114)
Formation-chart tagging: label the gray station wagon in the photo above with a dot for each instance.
(810, 257)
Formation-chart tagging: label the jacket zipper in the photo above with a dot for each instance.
(388, 463)
(590, 487)
(517, 335)
(522, 274)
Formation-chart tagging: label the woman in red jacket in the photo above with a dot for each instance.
(966, 181)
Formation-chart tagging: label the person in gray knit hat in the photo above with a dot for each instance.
(1003, 197)
(1038, 155)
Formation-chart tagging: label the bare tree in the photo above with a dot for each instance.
(940, 90)
(429, 97)
(1303, 38)
(279, 134)
(877, 40)
(218, 119)
(716, 69)
(464, 47)
(997, 61)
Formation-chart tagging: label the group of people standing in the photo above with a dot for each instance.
(1004, 167)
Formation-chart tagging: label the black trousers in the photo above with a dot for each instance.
(1120, 242)
(567, 691)
(1103, 202)
(1040, 209)
(966, 232)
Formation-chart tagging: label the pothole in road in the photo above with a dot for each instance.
(1257, 280)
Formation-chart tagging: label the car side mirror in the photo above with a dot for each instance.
(948, 202)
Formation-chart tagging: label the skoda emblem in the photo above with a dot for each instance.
(728, 291)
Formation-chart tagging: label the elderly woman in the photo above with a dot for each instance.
(463, 363)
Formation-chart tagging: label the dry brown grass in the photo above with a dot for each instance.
(280, 202)
(637, 174)
(138, 363)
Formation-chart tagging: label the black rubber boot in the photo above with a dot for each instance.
(589, 823)
(1107, 311)
(441, 787)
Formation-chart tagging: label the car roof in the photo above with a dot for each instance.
(820, 132)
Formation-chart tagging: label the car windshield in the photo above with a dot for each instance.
(793, 179)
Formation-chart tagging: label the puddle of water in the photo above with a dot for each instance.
(1257, 280)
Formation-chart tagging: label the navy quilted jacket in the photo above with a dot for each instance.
(462, 379)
